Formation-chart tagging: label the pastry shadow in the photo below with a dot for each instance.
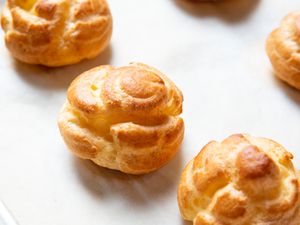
(137, 189)
(48, 78)
(231, 11)
(185, 222)
(291, 92)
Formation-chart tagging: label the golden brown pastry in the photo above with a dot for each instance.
(123, 118)
(241, 181)
(283, 48)
(56, 32)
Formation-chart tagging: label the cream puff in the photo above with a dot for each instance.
(123, 118)
(56, 32)
(241, 180)
(283, 49)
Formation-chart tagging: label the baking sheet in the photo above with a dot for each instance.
(213, 51)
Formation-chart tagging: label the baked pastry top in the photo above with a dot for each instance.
(283, 49)
(241, 181)
(123, 118)
(56, 32)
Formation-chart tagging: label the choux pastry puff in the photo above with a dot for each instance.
(56, 32)
(283, 47)
(123, 118)
(242, 180)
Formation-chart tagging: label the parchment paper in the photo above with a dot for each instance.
(215, 52)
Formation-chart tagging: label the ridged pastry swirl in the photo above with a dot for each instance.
(283, 48)
(123, 118)
(240, 181)
(56, 32)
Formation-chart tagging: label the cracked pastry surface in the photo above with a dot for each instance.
(123, 118)
(242, 180)
(56, 32)
(283, 49)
